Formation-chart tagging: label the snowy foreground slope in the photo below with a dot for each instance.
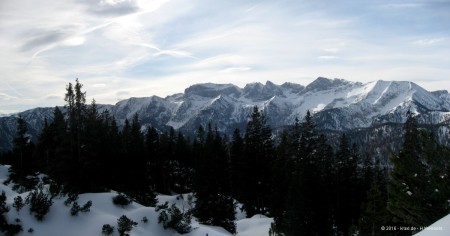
(439, 228)
(59, 221)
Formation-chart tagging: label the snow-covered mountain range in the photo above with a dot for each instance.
(337, 105)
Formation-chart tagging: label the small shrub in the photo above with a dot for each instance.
(76, 208)
(40, 203)
(18, 203)
(162, 207)
(173, 218)
(146, 198)
(3, 207)
(71, 199)
(86, 207)
(7, 229)
(163, 218)
(144, 219)
(55, 189)
(30, 230)
(12, 229)
(121, 200)
(107, 229)
(125, 225)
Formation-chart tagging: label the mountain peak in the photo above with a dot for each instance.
(292, 87)
(212, 90)
(323, 83)
(253, 89)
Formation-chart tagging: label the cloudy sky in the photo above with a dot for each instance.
(124, 48)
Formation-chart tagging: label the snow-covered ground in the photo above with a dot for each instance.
(439, 228)
(59, 221)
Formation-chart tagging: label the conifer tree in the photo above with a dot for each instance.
(22, 152)
(375, 214)
(53, 149)
(182, 165)
(167, 144)
(282, 173)
(407, 188)
(155, 161)
(259, 153)
(307, 207)
(346, 202)
(214, 203)
(437, 159)
(236, 164)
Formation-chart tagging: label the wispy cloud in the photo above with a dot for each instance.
(120, 48)
(235, 69)
(327, 57)
(403, 5)
(428, 41)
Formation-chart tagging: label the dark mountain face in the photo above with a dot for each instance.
(337, 105)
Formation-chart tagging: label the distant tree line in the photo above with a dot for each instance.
(297, 178)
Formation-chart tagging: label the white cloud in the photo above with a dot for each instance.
(235, 69)
(327, 57)
(6, 97)
(402, 5)
(119, 48)
(428, 41)
(332, 50)
(75, 41)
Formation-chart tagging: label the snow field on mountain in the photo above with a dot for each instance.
(59, 221)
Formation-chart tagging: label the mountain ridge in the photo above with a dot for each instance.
(336, 104)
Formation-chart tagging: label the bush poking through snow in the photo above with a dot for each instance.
(121, 200)
(12, 229)
(40, 203)
(144, 219)
(3, 207)
(76, 208)
(173, 218)
(18, 203)
(55, 189)
(124, 225)
(107, 229)
(86, 207)
(7, 229)
(73, 197)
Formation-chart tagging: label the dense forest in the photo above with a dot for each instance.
(296, 177)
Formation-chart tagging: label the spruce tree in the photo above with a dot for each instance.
(407, 188)
(22, 151)
(346, 203)
(259, 153)
(437, 159)
(307, 210)
(374, 212)
(53, 149)
(183, 165)
(155, 172)
(237, 164)
(282, 173)
(214, 203)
